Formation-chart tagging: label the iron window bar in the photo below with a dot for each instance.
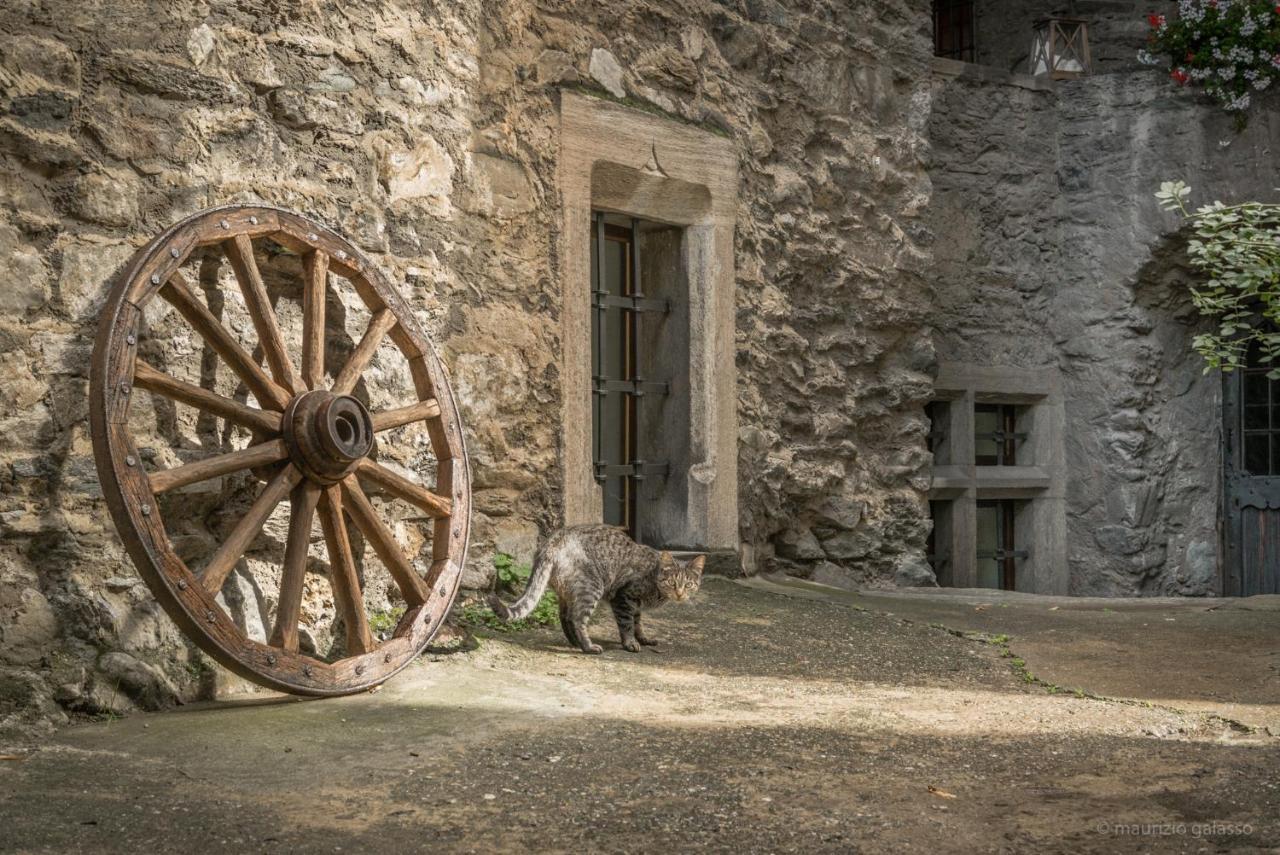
(633, 303)
(1002, 435)
(954, 30)
(1259, 422)
(635, 387)
(637, 470)
(1005, 438)
(1003, 554)
(1006, 554)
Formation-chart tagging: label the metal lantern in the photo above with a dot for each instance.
(1060, 48)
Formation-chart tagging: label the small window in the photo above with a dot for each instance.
(938, 547)
(1261, 417)
(953, 30)
(998, 555)
(996, 437)
(938, 413)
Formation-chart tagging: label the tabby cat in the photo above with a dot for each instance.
(588, 563)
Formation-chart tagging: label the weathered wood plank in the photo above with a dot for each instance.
(202, 399)
(202, 470)
(224, 560)
(379, 326)
(388, 419)
(315, 287)
(182, 298)
(302, 511)
(362, 512)
(342, 573)
(403, 488)
(239, 251)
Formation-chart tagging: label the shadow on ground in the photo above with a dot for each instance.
(766, 723)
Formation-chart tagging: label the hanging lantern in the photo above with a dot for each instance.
(1060, 48)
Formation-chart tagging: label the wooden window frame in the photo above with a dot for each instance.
(1006, 436)
(1007, 554)
(955, 30)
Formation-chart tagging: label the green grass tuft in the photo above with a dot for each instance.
(512, 578)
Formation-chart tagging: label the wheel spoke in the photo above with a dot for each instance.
(316, 268)
(202, 470)
(302, 511)
(381, 324)
(388, 419)
(342, 573)
(222, 562)
(239, 251)
(361, 511)
(202, 399)
(403, 488)
(180, 295)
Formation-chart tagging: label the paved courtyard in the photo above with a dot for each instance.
(773, 718)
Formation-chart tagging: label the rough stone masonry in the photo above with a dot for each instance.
(425, 133)
(1052, 251)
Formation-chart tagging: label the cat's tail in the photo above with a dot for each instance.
(533, 592)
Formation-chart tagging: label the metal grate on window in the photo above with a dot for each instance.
(953, 30)
(996, 435)
(617, 386)
(998, 555)
(1260, 416)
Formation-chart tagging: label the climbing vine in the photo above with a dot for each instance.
(1236, 249)
(1229, 48)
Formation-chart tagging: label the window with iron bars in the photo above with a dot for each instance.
(953, 30)
(998, 555)
(996, 437)
(618, 389)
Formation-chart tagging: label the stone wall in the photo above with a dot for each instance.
(425, 132)
(1118, 29)
(1052, 252)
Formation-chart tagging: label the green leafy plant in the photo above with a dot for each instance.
(511, 574)
(512, 577)
(1236, 248)
(383, 622)
(546, 613)
(1229, 48)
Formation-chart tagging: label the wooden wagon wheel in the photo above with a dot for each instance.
(312, 443)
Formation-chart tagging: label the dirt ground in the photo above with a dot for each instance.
(774, 718)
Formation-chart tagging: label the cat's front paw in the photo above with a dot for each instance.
(633, 646)
(593, 649)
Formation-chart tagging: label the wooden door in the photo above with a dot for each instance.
(1251, 483)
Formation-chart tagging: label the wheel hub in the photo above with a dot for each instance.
(327, 434)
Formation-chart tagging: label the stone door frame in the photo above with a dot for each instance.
(622, 160)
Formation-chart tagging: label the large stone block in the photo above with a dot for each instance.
(422, 173)
(28, 626)
(24, 278)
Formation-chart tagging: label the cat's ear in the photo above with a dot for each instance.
(697, 564)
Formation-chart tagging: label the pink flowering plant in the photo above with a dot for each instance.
(1229, 48)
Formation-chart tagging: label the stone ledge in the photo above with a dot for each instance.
(968, 71)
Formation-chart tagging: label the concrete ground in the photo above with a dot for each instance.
(775, 717)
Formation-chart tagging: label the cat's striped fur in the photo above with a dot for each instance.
(589, 563)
